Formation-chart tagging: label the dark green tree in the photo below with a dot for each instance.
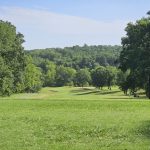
(136, 51)
(122, 81)
(99, 77)
(83, 77)
(64, 76)
(111, 76)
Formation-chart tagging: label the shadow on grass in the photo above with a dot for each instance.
(141, 93)
(130, 97)
(54, 91)
(144, 129)
(119, 98)
(98, 92)
(86, 93)
(82, 90)
(108, 92)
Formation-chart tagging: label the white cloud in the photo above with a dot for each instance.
(46, 29)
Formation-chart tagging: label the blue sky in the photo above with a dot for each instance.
(60, 23)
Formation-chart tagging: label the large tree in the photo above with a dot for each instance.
(136, 52)
(17, 72)
(12, 53)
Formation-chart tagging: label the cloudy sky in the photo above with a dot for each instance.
(60, 23)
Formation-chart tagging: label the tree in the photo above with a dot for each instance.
(148, 13)
(99, 77)
(122, 81)
(83, 77)
(64, 76)
(32, 77)
(49, 73)
(6, 79)
(12, 53)
(111, 76)
(136, 51)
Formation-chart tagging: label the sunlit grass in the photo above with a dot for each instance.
(70, 118)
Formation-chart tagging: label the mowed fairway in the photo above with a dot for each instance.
(70, 118)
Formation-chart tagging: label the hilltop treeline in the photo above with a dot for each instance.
(78, 57)
(76, 65)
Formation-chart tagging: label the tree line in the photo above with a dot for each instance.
(28, 71)
(59, 75)
(78, 57)
(127, 66)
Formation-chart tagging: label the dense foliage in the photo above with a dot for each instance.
(135, 56)
(75, 65)
(82, 78)
(78, 57)
(13, 61)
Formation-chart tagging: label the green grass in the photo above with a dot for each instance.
(74, 119)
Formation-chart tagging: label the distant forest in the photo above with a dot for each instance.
(78, 57)
(77, 65)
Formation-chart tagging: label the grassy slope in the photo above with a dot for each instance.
(74, 118)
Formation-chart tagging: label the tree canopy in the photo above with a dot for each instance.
(78, 57)
(136, 53)
(13, 60)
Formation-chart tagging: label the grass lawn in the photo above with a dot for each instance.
(70, 118)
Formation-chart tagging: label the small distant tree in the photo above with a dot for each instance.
(83, 77)
(64, 76)
(122, 81)
(99, 77)
(32, 78)
(49, 73)
(111, 76)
